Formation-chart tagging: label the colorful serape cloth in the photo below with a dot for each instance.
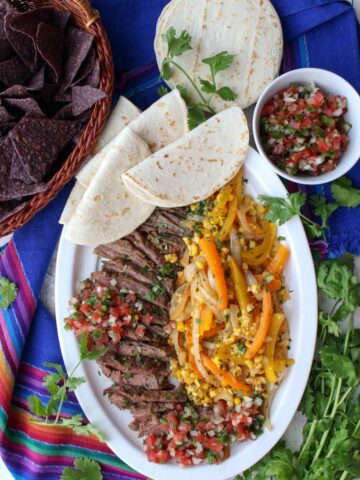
(318, 33)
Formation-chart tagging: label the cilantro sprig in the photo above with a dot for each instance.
(8, 292)
(59, 384)
(330, 446)
(177, 45)
(282, 210)
(84, 469)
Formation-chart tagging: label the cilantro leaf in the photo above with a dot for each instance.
(177, 45)
(165, 69)
(8, 292)
(281, 209)
(86, 354)
(196, 116)
(220, 61)
(84, 469)
(36, 406)
(329, 324)
(345, 194)
(73, 383)
(162, 91)
(185, 95)
(338, 282)
(323, 209)
(76, 424)
(341, 365)
(226, 93)
(207, 86)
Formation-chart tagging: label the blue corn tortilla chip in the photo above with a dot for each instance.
(5, 48)
(37, 81)
(77, 46)
(5, 116)
(86, 68)
(27, 105)
(41, 139)
(13, 71)
(21, 44)
(10, 208)
(16, 91)
(85, 97)
(50, 41)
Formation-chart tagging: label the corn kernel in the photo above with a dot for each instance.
(193, 207)
(200, 265)
(180, 326)
(237, 401)
(186, 241)
(194, 250)
(171, 258)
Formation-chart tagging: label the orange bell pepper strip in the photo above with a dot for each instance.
(273, 333)
(234, 382)
(272, 286)
(206, 319)
(213, 331)
(261, 333)
(277, 264)
(240, 285)
(229, 221)
(213, 259)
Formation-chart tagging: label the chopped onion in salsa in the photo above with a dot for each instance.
(303, 129)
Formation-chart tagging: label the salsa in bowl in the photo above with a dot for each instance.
(305, 125)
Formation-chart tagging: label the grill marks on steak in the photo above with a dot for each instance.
(131, 349)
(140, 379)
(136, 395)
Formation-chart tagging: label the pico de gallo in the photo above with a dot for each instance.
(193, 435)
(102, 313)
(303, 129)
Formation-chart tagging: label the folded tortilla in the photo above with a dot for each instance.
(195, 166)
(124, 112)
(73, 201)
(248, 29)
(107, 210)
(162, 123)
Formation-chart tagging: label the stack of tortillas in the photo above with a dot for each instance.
(100, 209)
(248, 29)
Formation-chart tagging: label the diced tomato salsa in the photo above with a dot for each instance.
(102, 313)
(193, 437)
(303, 129)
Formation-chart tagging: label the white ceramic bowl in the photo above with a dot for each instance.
(330, 83)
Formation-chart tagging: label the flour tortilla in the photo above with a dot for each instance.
(195, 166)
(161, 124)
(73, 201)
(108, 211)
(248, 29)
(123, 113)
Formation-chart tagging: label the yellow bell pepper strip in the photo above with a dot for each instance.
(239, 285)
(262, 247)
(229, 222)
(206, 319)
(277, 264)
(239, 188)
(213, 259)
(264, 323)
(189, 343)
(234, 382)
(273, 333)
(213, 331)
(281, 363)
(256, 261)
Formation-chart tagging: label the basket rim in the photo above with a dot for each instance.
(91, 131)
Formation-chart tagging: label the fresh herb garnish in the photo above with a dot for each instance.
(156, 291)
(330, 446)
(8, 292)
(84, 469)
(177, 45)
(166, 271)
(282, 210)
(59, 384)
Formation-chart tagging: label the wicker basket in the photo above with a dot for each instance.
(87, 19)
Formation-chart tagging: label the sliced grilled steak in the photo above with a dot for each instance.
(152, 425)
(136, 395)
(147, 336)
(142, 411)
(120, 281)
(142, 243)
(131, 349)
(125, 250)
(169, 221)
(141, 379)
(134, 365)
(123, 402)
(159, 331)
